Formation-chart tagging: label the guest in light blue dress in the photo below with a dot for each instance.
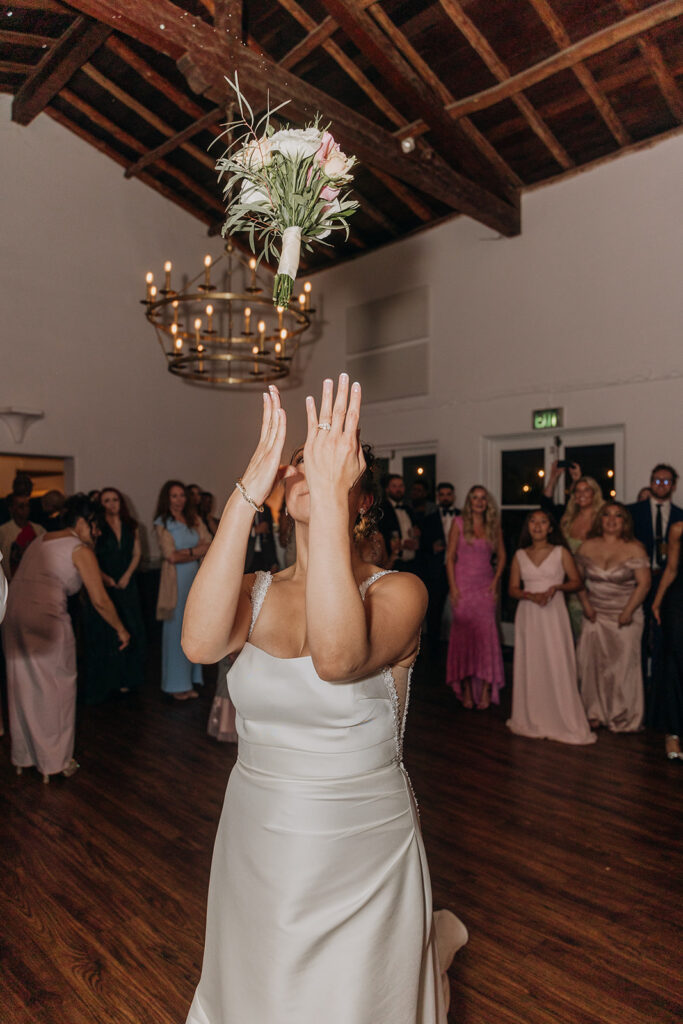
(183, 540)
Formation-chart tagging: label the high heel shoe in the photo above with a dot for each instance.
(71, 768)
(672, 748)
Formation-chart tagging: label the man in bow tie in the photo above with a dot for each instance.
(652, 521)
(397, 526)
(433, 541)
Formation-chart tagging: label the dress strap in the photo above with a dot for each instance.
(371, 579)
(259, 590)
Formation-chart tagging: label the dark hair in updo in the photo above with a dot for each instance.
(79, 506)
(368, 522)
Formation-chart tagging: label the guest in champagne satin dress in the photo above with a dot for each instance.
(616, 573)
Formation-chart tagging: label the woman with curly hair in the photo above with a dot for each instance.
(108, 669)
(475, 661)
(616, 572)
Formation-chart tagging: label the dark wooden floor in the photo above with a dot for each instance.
(564, 862)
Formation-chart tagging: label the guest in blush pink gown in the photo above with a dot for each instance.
(475, 662)
(40, 649)
(545, 694)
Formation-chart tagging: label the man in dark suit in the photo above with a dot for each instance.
(652, 520)
(433, 541)
(261, 552)
(397, 525)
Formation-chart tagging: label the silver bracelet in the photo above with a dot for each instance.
(247, 497)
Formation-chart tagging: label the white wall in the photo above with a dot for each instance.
(76, 239)
(583, 311)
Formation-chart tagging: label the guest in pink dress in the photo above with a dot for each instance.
(38, 638)
(545, 693)
(475, 662)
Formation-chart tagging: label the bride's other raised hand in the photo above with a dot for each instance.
(333, 455)
(261, 474)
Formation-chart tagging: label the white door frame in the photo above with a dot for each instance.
(495, 445)
(396, 452)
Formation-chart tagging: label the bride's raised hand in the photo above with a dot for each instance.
(261, 473)
(333, 455)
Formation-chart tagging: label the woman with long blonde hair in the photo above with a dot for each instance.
(475, 661)
(578, 519)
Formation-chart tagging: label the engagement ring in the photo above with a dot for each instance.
(324, 426)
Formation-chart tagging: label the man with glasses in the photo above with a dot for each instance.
(652, 519)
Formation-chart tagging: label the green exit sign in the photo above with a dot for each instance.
(546, 419)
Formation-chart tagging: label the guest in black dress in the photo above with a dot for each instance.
(108, 669)
(666, 712)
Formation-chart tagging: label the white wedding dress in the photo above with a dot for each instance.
(320, 908)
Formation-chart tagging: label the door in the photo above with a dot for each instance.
(414, 462)
(516, 472)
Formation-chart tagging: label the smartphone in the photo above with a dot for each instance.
(564, 464)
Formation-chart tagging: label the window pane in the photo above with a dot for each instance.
(521, 482)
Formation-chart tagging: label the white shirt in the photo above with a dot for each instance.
(665, 504)
(446, 520)
(406, 527)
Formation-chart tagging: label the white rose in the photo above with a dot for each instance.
(255, 154)
(296, 143)
(337, 165)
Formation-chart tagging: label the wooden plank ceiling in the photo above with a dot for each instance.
(488, 97)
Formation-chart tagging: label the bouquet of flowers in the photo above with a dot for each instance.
(283, 188)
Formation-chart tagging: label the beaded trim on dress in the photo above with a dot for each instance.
(258, 593)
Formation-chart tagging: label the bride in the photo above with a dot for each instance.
(319, 901)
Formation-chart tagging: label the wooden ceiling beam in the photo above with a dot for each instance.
(206, 60)
(113, 154)
(342, 59)
(481, 45)
(400, 40)
(128, 140)
(44, 6)
(229, 16)
(25, 38)
(11, 67)
(407, 197)
(315, 38)
(138, 108)
(71, 51)
(209, 120)
(560, 36)
(652, 55)
(418, 98)
(619, 32)
(184, 102)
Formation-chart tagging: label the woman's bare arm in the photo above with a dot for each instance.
(86, 563)
(348, 639)
(217, 612)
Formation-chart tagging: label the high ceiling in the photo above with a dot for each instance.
(495, 95)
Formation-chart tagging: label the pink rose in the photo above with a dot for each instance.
(326, 148)
(329, 193)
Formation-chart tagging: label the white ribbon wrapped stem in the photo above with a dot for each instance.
(291, 251)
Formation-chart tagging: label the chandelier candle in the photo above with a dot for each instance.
(283, 189)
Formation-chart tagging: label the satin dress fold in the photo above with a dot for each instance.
(545, 694)
(608, 655)
(319, 903)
